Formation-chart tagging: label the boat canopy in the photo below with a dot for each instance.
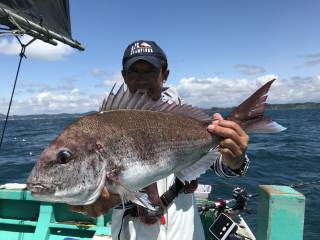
(47, 20)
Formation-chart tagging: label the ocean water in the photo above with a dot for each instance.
(290, 157)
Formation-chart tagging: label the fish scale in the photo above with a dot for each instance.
(171, 126)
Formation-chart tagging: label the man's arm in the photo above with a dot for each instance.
(232, 146)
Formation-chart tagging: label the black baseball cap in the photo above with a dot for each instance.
(143, 50)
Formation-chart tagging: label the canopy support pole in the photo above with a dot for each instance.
(22, 54)
(38, 31)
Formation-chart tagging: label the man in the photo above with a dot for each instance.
(145, 68)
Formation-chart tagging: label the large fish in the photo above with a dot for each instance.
(132, 142)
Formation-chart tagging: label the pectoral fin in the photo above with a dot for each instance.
(148, 216)
(195, 170)
(139, 198)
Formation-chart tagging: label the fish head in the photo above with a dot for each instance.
(70, 169)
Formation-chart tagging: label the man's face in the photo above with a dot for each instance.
(143, 76)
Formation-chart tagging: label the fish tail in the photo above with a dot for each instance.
(250, 114)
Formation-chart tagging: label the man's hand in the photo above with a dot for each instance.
(234, 141)
(104, 203)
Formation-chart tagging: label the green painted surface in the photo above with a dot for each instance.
(45, 217)
(280, 213)
(24, 218)
(280, 216)
(207, 219)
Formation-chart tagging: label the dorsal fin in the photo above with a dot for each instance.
(117, 98)
(107, 101)
(123, 99)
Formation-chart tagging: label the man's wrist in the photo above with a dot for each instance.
(241, 170)
(238, 164)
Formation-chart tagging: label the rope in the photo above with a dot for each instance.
(22, 54)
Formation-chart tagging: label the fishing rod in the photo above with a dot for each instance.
(239, 191)
(293, 185)
(302, 184)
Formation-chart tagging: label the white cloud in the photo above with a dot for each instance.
(207, 92)
(220, 92)
(53, 102)
(75, 91)
(38, 49)
(109, 82)
(66, 96)
(97, 72)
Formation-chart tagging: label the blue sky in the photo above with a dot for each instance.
(219, 52)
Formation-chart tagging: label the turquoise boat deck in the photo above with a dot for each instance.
(280, 216)
(23, 218)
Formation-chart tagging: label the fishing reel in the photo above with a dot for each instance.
(228, 221)
(241, 197)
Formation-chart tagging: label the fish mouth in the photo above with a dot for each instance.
(40, 188)
(48, 193)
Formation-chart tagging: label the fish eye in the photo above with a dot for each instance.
(64, 156)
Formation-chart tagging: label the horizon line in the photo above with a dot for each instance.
(222, 108)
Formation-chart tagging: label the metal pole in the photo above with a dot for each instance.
(47, 34)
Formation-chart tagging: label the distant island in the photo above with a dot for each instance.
(55, 115)
(307, 105)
